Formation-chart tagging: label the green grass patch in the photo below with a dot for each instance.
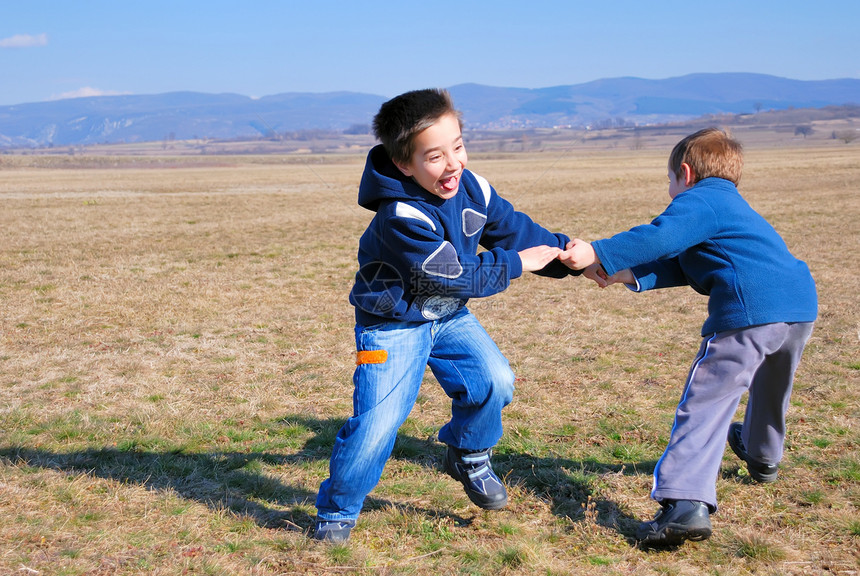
(755, 547)
(511, 558)
(842, 470)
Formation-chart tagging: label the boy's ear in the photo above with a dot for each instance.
(689, 174)
(403, 168)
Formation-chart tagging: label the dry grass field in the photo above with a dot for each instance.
(176, 353)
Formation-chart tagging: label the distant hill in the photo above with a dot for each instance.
(613, 101)
(178, 115)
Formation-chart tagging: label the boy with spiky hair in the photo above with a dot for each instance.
(418, 266)
(762, 305)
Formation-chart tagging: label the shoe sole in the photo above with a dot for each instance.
(488, 506)
(673, 534)
(331, 539)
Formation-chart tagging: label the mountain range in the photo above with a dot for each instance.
(618, 101)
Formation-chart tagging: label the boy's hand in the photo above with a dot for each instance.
(578, 254)
(536, 257)
(598, 274)
(595, 272)
(623, 277)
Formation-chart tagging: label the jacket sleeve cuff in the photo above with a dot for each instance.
(515, 264)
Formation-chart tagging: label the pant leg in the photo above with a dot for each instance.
(721, 373)
(476, 376)
(385, 393)
(764, 422)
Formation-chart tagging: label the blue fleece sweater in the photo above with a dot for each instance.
(711, 239)
(418, 259)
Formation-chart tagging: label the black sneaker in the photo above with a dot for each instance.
(759, 472)
(676, 521)
(475, 471)
(333, 530)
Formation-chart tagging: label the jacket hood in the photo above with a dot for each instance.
(382, 181)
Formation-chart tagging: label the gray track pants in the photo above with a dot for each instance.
(761, 359)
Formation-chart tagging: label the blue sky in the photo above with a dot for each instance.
(55, 49)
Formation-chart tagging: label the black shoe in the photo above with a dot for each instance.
(333, 530)
(475, 471)
(676, 521)
(759, 472)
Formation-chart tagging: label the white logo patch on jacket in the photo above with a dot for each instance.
(436, 307)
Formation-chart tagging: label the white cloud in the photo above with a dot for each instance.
(24, 41)
(86, 92)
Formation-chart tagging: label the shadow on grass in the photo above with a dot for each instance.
(572, 487)
(236, 480)
(221, 480)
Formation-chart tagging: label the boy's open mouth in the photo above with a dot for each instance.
(449, 184)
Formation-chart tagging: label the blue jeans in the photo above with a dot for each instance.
(465, 361)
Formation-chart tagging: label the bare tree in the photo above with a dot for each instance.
(847, 136)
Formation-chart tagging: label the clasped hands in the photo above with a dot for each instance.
(577, 255)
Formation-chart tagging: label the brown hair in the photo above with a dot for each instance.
(710, 153)
(400, 119)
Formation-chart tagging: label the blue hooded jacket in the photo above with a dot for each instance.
(418, 259)
(710, 239)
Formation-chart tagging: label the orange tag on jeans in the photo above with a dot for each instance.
(371, 357)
